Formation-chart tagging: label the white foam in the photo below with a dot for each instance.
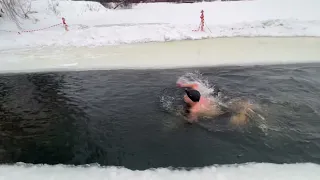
(249, 171)
(92, 25)
(205, 87)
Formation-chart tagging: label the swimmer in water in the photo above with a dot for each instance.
(198, 105)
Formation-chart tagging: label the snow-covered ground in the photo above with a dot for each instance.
(250, 171)
(91, 24)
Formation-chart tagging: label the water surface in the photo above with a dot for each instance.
(118, 118)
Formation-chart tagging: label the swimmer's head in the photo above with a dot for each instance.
(193, 95)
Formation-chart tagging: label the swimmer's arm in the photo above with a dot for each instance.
(193, 86)
(192, 118)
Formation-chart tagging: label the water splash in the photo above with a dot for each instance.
(205, 88)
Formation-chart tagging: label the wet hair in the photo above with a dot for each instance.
(194, 95)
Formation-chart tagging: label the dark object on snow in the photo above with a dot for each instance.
(1, 12)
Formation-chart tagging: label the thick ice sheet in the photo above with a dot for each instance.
(211, 52)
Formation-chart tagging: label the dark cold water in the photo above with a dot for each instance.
(129, 118)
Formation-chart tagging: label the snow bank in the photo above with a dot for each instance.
(249, 171)
(91, 24)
